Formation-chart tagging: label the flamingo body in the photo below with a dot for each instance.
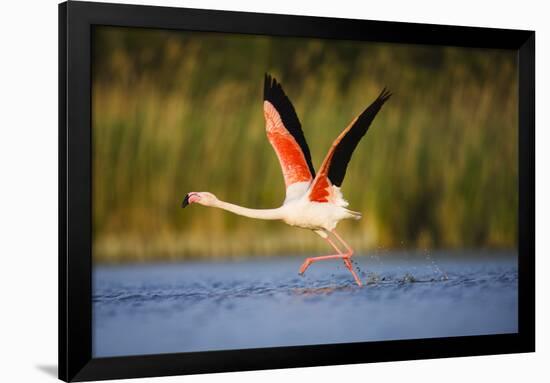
(317, 216)
(313, 201)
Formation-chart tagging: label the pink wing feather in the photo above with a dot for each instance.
(335, 164)
(285, 134)
(292, 159)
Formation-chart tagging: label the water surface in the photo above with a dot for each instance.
(199, 306)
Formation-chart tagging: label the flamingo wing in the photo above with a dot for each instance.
(332, 171)
(285, 134)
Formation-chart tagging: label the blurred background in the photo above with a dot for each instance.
(175, 112)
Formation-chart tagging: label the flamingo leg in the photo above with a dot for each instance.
(311, 260)
(341, 255)
(347, 260)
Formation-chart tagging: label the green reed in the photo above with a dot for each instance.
(175, 112)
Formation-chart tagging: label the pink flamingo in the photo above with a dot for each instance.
(312, 201)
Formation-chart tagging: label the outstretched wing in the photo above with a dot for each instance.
(285, 134)
(335, 164)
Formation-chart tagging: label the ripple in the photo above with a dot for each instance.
(187, 307)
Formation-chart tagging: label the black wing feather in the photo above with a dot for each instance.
(273, 92)
(348, 143)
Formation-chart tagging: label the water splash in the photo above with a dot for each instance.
(436, 268)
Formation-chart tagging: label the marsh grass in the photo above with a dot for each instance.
(175, 112)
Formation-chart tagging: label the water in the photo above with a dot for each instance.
(164, 308)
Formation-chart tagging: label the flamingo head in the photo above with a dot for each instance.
(203, 198)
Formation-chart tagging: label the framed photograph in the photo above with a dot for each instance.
(245, 191)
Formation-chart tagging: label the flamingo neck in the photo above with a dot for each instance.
(250, 213)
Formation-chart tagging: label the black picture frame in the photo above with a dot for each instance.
(76, 20)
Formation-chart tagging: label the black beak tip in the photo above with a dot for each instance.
(185, 201)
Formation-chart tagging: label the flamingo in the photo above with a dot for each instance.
(313, 201)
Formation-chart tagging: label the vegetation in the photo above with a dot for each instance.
(175, 112)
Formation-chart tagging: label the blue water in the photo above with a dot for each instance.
(199, 306)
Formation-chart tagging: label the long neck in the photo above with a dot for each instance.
(250, 213)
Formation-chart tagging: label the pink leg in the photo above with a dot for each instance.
(348, 257)
(311, 260)
(348, 247)
(344, 256)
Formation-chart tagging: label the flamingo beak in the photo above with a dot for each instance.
(185, 201)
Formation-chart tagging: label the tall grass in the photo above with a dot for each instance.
(175, 112)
